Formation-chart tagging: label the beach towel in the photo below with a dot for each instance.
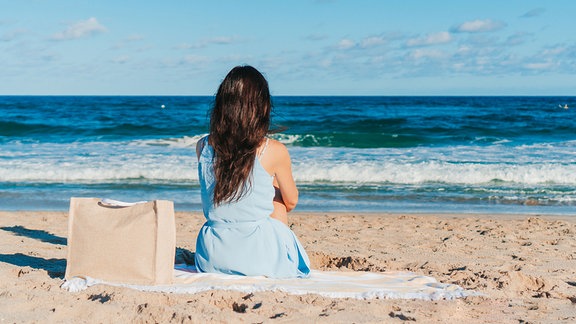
(334, 284)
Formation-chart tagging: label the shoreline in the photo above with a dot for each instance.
(525, 265)
(347, 212)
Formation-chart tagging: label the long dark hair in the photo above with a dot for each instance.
(239, 122)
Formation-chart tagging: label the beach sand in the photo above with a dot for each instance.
(524, 265)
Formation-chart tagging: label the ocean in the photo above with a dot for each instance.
(366, 154)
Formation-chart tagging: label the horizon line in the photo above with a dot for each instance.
(291, 95)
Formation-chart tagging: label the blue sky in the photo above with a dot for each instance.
(304, 47)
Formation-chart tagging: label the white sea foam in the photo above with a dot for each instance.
(183, 169)
(90, 170)
(441, 172)
(151, 160)
(178, 142)
(290, 139)
(96, 162)
(190, 141)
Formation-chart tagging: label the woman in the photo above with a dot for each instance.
(247, 185)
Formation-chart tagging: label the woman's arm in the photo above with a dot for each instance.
(281, 167)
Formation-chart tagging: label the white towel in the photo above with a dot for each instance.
(334, 284)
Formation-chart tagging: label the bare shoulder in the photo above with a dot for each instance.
(276, 157)
(276, 144)
(278, 149)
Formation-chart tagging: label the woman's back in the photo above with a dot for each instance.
(256, 204)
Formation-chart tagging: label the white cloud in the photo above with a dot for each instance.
(382, 39)
(83, 28)
(186, 61)
(121, 59)
(12, 35)
(427, 53)
(235, 58)
(554, 51)
(184, 46)
(372, 41)
(326, 63)
(478, 26)
(134, 38)
(345, 44)
(518, 38)
(430, 39)
(539, 66)
(463, 50)
(533, 13)
(194, 59)
(482, 40)
(219, 40)
(316, 37)
(458, 66)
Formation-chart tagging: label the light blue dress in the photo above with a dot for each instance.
(240, 237)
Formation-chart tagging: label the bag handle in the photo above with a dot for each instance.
(116, 203)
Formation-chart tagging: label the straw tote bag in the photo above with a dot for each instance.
(132, 243)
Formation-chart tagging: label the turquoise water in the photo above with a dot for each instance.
(409, 154)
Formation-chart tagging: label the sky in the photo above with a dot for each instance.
(303, 47)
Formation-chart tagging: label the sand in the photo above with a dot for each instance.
(524, 265)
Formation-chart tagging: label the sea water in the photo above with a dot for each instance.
(383, 154)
